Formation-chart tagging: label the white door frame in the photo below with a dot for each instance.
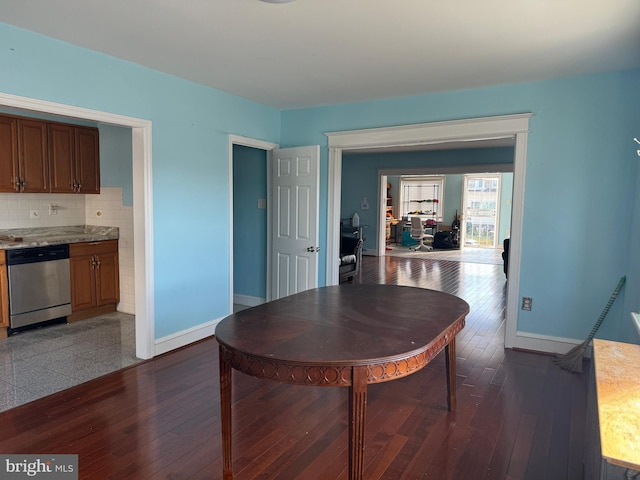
(507, 126)
(268, 147)
(142, 205)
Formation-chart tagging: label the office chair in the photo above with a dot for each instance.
(417, 233)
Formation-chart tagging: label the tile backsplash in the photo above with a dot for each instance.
(28, 210)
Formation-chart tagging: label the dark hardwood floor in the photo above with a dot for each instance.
(519, 416)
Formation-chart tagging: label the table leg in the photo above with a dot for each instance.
(357, 415)
(225, 417)
(450, 354)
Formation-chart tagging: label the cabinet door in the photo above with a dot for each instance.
(83, 283)
(61, 151)
(87, 165)
(33, 156)
(107, 279)
(8, 154)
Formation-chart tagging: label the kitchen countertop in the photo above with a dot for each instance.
(43, 236)
(618, 392)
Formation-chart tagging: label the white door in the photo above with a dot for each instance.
(480, 210)
(294, 213)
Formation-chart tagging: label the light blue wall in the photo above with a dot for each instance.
(116, 160)
(249, 222)
(633, 271)
(580, 187)
(452, 198)
(190, 168)
(360, 179)
(581, 200)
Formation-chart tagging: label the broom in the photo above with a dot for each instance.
(572, 360)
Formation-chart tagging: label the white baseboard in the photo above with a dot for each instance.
(547, 344)
(185, 337)
(524, 340)
(199, 332)
(248, 300)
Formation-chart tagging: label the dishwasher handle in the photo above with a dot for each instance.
(20, 256)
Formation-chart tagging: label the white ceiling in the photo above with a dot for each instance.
(319, 52)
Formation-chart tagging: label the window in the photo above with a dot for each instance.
(422, 195)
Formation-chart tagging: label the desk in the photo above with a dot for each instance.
(339, 336)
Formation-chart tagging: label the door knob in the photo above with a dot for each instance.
(313, 249)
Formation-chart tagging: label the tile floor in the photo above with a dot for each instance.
(37, 363)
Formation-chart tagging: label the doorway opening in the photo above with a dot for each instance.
(248, 155)
(142, 204)
(514, 127)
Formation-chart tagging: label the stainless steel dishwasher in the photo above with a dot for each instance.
(39, 285)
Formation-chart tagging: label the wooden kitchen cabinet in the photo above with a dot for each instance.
(75, 159)
(4, 295)
(24, 156)
(37, 156)
(33, 156)
(95, 282)
(8, 153)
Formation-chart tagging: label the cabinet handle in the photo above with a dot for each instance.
(18, 184)
(79, 187)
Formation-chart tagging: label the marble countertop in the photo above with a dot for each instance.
(42, 236)
(617, 367)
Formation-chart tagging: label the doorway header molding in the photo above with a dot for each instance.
(482, 128)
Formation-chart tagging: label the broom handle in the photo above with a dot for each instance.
(606, 309)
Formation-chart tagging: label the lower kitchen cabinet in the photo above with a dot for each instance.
(4, 295)
(95, 282)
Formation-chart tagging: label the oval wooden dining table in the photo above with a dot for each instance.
(339, 336)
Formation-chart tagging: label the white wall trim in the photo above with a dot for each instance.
(482, 128)
(269, 147)
(547, 344)
(142, 208)
(515, 243)
(506, 126)
(248, 300)
(185, 337)
(333, 216)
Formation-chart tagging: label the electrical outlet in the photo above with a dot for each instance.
(527, 303)
(33, 214)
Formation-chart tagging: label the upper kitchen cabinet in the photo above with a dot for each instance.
(8, 154)
(33, 156)
(38, 156)
(75, 159)
(24, 155)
